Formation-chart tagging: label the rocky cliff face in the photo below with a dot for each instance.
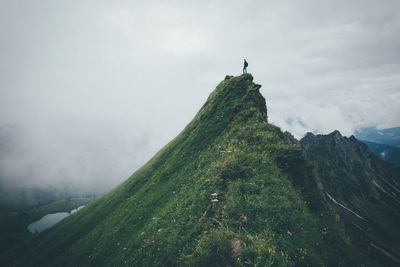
(364, 190)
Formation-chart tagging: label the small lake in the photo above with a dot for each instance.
(49, 220)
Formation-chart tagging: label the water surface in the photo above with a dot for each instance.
(49, 220)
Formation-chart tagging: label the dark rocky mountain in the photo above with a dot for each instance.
(364, 189)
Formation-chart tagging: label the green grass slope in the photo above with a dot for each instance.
(227, 191)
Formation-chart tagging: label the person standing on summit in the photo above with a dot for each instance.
(245, 64)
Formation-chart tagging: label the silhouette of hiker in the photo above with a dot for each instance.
(245, 66)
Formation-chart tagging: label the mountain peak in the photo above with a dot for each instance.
(336, 135)
(227, 191)
(244, 76)
(235, 94)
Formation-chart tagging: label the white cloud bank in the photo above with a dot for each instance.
(102, 85)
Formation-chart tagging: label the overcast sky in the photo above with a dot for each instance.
(90, 90)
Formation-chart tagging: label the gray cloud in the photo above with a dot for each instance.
(79, 160)
(96, 87)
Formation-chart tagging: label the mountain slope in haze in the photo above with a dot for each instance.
(390, 136)
(13, 224)
(364, 189)
(385, 152)
(384, 143)
(229, 190)
(13, 198)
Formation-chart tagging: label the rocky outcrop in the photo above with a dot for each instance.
(364, 189)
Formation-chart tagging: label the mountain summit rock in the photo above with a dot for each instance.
(229, 190)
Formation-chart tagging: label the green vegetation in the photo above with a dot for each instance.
(228, 190)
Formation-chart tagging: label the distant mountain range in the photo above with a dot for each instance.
(389, 136)
(384, 143)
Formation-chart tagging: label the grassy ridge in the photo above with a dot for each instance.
(228, 190)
